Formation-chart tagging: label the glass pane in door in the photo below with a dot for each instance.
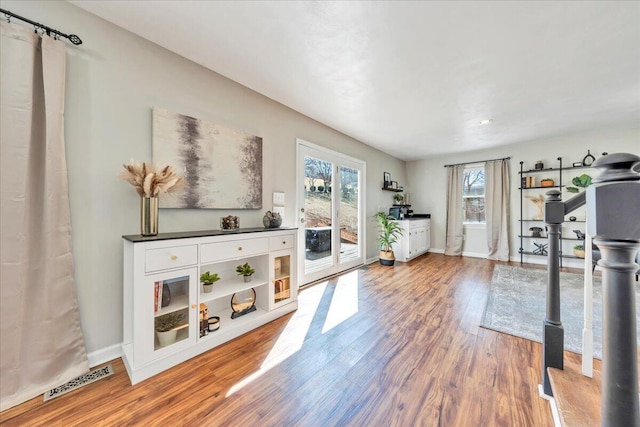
(349, 214)
(318, 208)
(171, 311)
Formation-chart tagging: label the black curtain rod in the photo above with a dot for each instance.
(479, 161)
(72, 37)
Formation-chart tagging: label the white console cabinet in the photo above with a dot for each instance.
(172, 263)
(415, 239)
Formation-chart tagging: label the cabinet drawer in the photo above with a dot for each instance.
(213, 252)
(281, 242)
(172, 257)
(418, 224)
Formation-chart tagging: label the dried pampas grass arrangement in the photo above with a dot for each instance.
(150, 180)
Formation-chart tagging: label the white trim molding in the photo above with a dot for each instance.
(104, 355)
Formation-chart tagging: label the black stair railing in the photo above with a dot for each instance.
(613, 220)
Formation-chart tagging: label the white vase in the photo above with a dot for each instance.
(207, 288)
(167, 338)
(247, 279)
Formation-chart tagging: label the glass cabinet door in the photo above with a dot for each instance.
(170, 325)
(281, 283)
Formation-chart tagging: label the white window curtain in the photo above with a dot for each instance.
(453, 245)
(41, 341)
(496, 175)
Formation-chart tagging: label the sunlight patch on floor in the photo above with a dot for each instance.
(344, 302)
(293, 335)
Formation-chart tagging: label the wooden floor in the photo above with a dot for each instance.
(378, 346)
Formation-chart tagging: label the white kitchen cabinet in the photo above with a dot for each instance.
(415, 239)
(174, 261)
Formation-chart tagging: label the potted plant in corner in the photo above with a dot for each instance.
(389, 232)
(246, 271)
(398, 198)
(165, 327)
(207, 279)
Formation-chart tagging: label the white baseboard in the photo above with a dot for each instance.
(104, 355)
(371, 260)
(474, 254)
(436, 251)
(552, 404)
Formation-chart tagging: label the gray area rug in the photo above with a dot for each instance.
(517, 306)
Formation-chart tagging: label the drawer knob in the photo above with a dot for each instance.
(284, 242)
(174, 257)
(239, 248)
(193, 306)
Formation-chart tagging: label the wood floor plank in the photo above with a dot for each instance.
(379, 346)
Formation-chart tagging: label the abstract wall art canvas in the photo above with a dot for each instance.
(222, 167)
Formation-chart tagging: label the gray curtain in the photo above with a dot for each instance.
(454, 211)
(41, 341)
(496, 198)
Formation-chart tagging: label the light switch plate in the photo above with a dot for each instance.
(278, 198)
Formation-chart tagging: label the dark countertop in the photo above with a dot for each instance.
(418, 216)
(137, 238)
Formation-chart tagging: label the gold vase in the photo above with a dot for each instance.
(148, 216)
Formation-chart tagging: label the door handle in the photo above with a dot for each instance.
(302, 220)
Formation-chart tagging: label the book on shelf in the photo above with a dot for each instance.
(159, 298)
(155, 296)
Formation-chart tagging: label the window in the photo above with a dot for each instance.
(473, 195)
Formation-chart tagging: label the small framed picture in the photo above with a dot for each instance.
(386, 178)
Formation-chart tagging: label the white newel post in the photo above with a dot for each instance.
(587, 330)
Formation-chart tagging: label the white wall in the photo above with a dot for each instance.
(428, 180)
(113, 81)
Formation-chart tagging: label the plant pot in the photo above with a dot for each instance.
(579, 253)
(167, 338)
(207, 288)
(546, 183)
(387, 258)
(247, 279)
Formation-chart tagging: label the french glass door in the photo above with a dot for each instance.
(330, 212)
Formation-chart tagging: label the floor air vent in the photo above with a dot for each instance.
(82, 380)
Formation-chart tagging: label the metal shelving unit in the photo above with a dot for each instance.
(522, 236)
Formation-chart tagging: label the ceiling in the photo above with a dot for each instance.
(414, 79)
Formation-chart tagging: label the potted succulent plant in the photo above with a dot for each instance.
(578, 250)
(389, 232)
(547, 182)
(165, 327)
(398, 198)
(246, 271)
(207, 279)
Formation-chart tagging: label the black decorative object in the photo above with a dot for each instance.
(541, 248)
(588, 159)
(579, 234)
(536, 231)
(386, 179)
(243, 302)
(539, 165)
(166, 295)
(572, 218)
